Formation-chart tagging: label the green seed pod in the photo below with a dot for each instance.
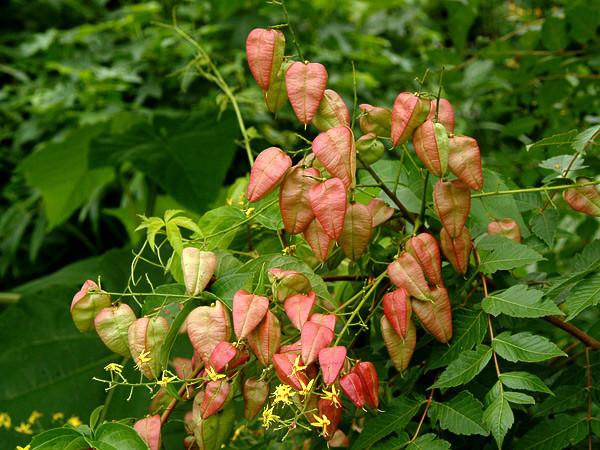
(369, 149)
(86, 305)
(441, 138)
(112, 325)
(146, 336)
(374, 119)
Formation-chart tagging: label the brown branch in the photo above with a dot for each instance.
(171, 406)
(427, 404)
(574, 331)
(345, 277)
(588, 366)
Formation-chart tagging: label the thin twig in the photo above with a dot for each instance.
(588, 367)
(291, 28)
(538, 189)
(427, 405)
(344, 277)
(574, 331)
(171, 406)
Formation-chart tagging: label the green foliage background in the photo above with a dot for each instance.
(103, 118)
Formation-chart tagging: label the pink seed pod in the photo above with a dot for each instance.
(283, 364)
(464, 161)
(397, 310)
(226, 356)
(332, 112)
(305, 85)
(335, 149)
(457, 250)
(328, 320)
(267, 173)
(112, 325)
(146, 335)
(505, 227)
(255, 393)
(374, 119)
(206, 327)
(314, 338)
(331, 360)
(265, 339)
(276, 96)
(584, 199)
(452, 202)
(352, 386)
(298, 308)
(408, 113)
(356, 234)
(339, 440)
(264, 50)
(445, 116)
(293, 198)
(86, 305)
(430, 141)
(380, 211)
(214, 397)
(320, 243)
(248, 311)
(198, 267)
(289, 282)
(370, 380)
(436, 315)
(328, 202)
(426, 251)
(149, 430)
(400, 349)
(405, 272)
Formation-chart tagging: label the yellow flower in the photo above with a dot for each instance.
(297, 367)
(142, 359)
(268, 417)
(34, 416)
(283, 394)
(5, 420)
(289, 250)
(58, 416)
(74, 421)
(333, 395)
(27, 447)
(249, 212)
(24, 428)
(306, 388)
(213, 375)
(114, 367)
(321, 422)
(166, 379)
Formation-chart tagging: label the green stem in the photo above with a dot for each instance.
(291, 28)
(538, 189)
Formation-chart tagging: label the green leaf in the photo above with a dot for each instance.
(557, 433)
(525, 381)
(470, 327)
(219, 226)
(586, 293)
(462, 414)
(428, 441)
(393, 443)
(519, 398)
(554, 33)
(186, 154)
(174, 237)
(558, 140)
(464, 368)
(525, 347)
(584, 138)
(116, 436)
(560, 163)
(60, 171)
(566, 398)
(394, 419)
(499, 418)
(55, 439)
(544, 225)
(519, 301)
(500, 253)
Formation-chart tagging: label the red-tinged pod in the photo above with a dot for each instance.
(146, 336)
(436, 316)
(255, 393)
(319, 241)
(214, 432)
(329, 320)
(338, 440)
(289, 282)
(149, 430)
(331, 360)
(400, 349)
(295, 348)
(298, 308)
(374, 119)
(314, 338)
(405, 272)
(264, 50)
(267, 173)
(505, 227)
(369, 149)
(222, 355)
(370, 380)
(332, 112)
(457, 250)
(426, 251)
(408, 113)
(184, 368)
(464, 161)
(305, 85)
(396, 307)
(356, 234)
(283, 364)
(380, 211)
(452, 202)
(430, 141)
(333, 412)
(86, 305)
(276, 96)
(265, 339)
(584, 199)
(112, 324)
(352, 386)
(293, 198)
(214, 398)
(248, 311)
(328, 201)
(198, 267)
(445, 116)
(206, 327)
(335, 149)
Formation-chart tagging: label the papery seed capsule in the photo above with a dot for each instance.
(329, 320)
(149, 430)
(400, 349)
(464, 161)
(331, 360)
(430, 141)
(370, 380)
(215, 395)
(505, 227)
(264, 50)
(314, 338)
(425, 250)
(112, 325)
(298, 308)
(267, 173)
(408, 113)
(356, 234)
(305, 85)
(198, 268)
(380, 211)
(328, 201)
(457, 250)
(289, 282)
(215, 431)
(584, 199)
(332, 112)
(445, 116)
(255, 393)
(265, 339)
(248, 311)
(436, 316)
(320, 243)
(206, 327)
(405, 272)
(338, 440)
(452, 201)
(293, 198)
(397, 310)
(146, 337)
(276, 96)
(222, 357)
(283, 363)
(374, 119)
(369, 149)
(353, 387)
(335, 149)
(86, 305)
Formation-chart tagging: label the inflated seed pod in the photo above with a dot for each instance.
(86, 304)
(452, 202)
(436, 315)
(445, 116)
(268, 171)
(369, 149)
(400, 349)
(408, 113)
(584, 199)
(293, 198)
(335, 149)
(464, 161)
(425, 249)
(457, 250)
(264, 50)
(374, 119)
(356, 234)
(430, 141)
(198, 268)
(405, 272)
(505, 227)
(332, 112)
(112, 324)
(305, 84)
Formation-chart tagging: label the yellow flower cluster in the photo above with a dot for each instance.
(283, 394)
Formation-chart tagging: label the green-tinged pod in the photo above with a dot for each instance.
(408, 113)
(445, 116)
(400, 349)
(206, 327)
(441, 139)
(405, 272)
(212, 433)
(293, 198)
(436, 315)
(255, 393)
(288, 282)
(356, 234)
(430, 141)
(332, 112)
(452, 202)
(464, 161)
(86, 304)
(112, 325)
(276, 96)
(369, 149)
(457, 250)
(198, 268)
(426, 251)
(505, 227)
(584, 199)
(264, 50)
(146, 337)
(319, 241)
(374, 119)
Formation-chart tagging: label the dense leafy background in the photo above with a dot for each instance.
(103, 118)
